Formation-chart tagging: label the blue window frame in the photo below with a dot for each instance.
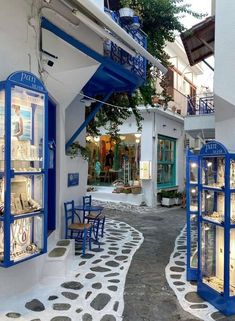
(166, 169)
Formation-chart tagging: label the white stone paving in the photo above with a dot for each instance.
(183, 289)
(119, 238)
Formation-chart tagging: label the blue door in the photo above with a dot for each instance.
(52, 166)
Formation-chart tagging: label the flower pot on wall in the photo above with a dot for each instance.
(126, 13)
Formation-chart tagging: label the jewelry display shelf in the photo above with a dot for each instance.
(192, 214)
(216, 226)
(24, 168)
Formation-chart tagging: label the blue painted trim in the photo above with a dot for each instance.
(27, 81)
(192, 273)
(7, 198)
(106, 62)
(87, 120)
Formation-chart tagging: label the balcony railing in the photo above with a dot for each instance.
(201, 105)
(135, 64)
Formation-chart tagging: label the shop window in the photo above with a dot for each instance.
(112, 160)
(166, 162)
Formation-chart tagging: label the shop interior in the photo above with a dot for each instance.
(114, 161)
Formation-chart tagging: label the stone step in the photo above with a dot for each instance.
(59, 258)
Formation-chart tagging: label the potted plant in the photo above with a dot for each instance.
(126, 13)
(168, 198)
(178, 198)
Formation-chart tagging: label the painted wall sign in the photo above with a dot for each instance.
(213, 148)
(73, 179)
(145, 169)
(27, 79)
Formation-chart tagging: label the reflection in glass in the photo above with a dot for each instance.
(212, 252)
(26, 194)
(26, 130)
(193, 199)
(2, 126)
(1, 241)
(232, 173)
(213, 171)
(213, 205)
(232, 262)
(193, 241)
(26, 237)
(193, 172)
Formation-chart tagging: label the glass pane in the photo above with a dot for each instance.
(232, 173)
(165, 174)
(232, 262)
(2, 126)
(194, 238)
(26, 194)
(26, 237)
(1, 241)
(213, 205)
(232, 208)
(193, 199)
(27, 124)
(1, 196)
(160, 150)
(193, 172)
(213, 171)
(212, 260)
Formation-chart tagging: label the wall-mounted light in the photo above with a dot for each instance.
(137, 135)
(209, 164)
(97, 139)
(193, 165)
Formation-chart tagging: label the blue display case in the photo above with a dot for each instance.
(192, 215)
(23, 168)
(216, 227)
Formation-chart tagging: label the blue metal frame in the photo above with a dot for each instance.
(27, 80)
(222, 301)
(192, 273)
(110, 74)
(87, 120)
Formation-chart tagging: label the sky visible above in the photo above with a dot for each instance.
(201, 6)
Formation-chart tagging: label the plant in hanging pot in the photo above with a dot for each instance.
(168, 198)
(126, 13)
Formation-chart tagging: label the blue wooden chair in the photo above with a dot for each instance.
(75, 229)
(94, 215)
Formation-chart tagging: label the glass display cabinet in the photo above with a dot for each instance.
(216, 228)
(23, 168)
(192, 214)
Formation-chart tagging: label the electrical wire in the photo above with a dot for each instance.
(103, 102)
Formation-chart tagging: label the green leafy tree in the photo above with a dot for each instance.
(161, 22)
